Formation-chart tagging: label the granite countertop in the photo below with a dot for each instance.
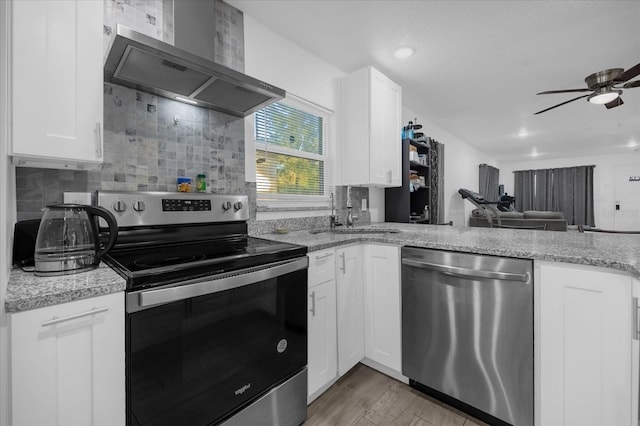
(621, 252)
(26, 291)
(615, 251)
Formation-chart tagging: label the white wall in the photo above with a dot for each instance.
(278, 61)
(603, 178)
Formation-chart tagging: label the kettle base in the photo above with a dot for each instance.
(47, 268)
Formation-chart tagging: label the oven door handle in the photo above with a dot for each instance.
(148, 298)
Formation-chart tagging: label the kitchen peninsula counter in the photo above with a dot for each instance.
(614, 251)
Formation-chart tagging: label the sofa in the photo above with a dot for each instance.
(489, 216)
(533, 219)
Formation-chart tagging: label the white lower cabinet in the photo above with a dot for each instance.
(68, 364)
(350, 289)
(586, 350)
(322, 365)
(382, 329)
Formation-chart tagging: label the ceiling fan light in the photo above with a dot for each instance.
(604, 97)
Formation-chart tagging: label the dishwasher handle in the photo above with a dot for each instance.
(468, 273)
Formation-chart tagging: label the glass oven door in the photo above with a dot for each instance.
(200, 351)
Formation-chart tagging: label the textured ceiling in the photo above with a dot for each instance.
(479, 64)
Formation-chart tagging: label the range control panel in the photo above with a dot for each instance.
(168, 208)
(172, 205)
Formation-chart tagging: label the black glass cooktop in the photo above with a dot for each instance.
(168, 263)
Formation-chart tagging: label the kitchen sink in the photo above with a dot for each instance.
(355, 231)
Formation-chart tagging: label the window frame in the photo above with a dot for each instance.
(297, 201)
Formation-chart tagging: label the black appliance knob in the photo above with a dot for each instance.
(226, 205)
(237, 205)
(139, 206)
(120, 206)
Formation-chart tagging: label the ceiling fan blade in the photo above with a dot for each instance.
(629, 74)
(563, 91)
(614, 103)
(631, 84)
(564, 103)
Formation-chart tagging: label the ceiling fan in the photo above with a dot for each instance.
(605, 86)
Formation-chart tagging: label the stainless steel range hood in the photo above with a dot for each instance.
(144, 63)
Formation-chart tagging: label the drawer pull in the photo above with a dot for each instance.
(324, 256)
(56, 320)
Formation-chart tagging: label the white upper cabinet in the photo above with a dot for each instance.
(57, 83)
(370, 147)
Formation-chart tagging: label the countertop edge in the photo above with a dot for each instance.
(26, 291)
(401, 239)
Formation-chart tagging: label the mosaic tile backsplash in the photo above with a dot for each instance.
(229, 43)
(150, 17)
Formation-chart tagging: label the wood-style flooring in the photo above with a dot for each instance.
(365, 397)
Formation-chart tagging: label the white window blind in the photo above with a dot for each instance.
(291, 153)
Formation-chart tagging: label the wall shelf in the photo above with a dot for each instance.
(404, 204)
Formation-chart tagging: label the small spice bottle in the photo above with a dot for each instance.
(201, 183)
(184, 184)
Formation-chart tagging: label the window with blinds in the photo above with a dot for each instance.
(291, 161)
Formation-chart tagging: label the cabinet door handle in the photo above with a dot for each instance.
(56, 320)
(324, 256)
(98, 141)
(636, 318)
(313, 303)
(344, 263)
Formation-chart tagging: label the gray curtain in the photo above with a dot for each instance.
(436, 180)
(489, 180)
(567, 189)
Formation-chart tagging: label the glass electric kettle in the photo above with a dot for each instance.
(68, 241)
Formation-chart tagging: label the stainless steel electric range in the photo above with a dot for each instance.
(216, 323)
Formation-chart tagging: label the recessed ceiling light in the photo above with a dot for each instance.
(523, 133)
(632, 144)
(404, 52)
(535, 153)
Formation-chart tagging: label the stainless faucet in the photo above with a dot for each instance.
(333, 217)
(350, 216)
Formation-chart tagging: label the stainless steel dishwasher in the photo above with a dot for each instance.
(467, 332)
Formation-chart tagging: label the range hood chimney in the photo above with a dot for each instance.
(146, 64)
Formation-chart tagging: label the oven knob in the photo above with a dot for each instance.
(139, 206)
(120, 206)
(237, 205)
(226, 205)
